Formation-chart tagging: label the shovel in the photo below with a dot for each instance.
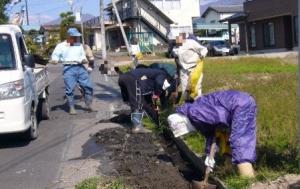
(204, 184)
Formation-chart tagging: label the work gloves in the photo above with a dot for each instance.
(210, 162)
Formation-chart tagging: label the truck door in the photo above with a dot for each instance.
(29, 87)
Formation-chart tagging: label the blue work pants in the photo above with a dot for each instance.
(74, 74)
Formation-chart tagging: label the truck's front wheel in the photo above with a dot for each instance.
(32, 132)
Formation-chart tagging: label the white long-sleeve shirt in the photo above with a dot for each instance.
(67, 54)
(189, 53)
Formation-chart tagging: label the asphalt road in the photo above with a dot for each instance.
(38, 164)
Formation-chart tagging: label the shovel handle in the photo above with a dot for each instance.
(211, 155)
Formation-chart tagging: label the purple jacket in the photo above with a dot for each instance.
(232, 110)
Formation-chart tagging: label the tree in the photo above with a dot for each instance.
(32, 45)
(3, 16)
(67, 20)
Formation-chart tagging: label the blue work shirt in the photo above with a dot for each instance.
(66, 54)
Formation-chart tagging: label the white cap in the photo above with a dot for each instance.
(180, 124)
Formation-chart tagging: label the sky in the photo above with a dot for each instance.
(43, 11)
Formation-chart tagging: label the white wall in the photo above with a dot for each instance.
(97, 40)
(225, 15)
(212, 17)
(181, 14)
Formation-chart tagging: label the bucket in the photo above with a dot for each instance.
(136, 118)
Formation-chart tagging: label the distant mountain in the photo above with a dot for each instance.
(85, 17)
(220, 3)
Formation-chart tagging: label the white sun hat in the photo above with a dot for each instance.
(180, 124)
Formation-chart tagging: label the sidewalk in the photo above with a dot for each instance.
(81, 157)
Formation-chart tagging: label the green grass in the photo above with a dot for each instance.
(90, 183)
(101, 183)
(196, 142)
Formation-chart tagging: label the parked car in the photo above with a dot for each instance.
(23, 85)
(220, 47)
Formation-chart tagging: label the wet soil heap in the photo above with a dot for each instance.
(143, 161)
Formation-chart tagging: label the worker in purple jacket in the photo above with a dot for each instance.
(229, 110)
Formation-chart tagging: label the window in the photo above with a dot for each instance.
(252, 36)
(126, 9)
(7, 58)
(269, 35)
(296, 34)
(22, 47)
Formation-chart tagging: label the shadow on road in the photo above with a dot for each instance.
(12, 141)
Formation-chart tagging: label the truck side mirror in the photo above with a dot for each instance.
(29, 60)
(39, 59)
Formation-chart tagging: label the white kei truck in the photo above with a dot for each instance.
(23, 86)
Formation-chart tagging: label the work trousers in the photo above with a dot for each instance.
(185, 84)
(74, 74)
(128, 87)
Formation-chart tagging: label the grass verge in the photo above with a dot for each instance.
(101, 183)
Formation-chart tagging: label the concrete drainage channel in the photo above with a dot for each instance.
(146, 160)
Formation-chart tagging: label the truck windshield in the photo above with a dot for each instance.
(7, 60)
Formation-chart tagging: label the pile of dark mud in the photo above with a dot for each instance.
(142, 161)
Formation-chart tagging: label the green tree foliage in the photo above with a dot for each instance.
(32, 45)
(51, 44)
(67, 19)
(3, 17)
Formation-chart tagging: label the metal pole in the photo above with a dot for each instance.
(246, 37)
(103, 42)
(70, 2)
(81, 25)
(122, 29)
(26, 4)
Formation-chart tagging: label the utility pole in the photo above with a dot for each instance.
(70, 2)
(26, 4)
(122, 29)
(81, 23)
(103, 43)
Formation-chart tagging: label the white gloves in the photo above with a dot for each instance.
(166, 85)
(89, 69)
(210, 162)
(203, 52)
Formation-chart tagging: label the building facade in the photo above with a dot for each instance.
(268, 25)
(213, 22)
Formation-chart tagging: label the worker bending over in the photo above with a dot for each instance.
(231, 111)
(138, 87)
